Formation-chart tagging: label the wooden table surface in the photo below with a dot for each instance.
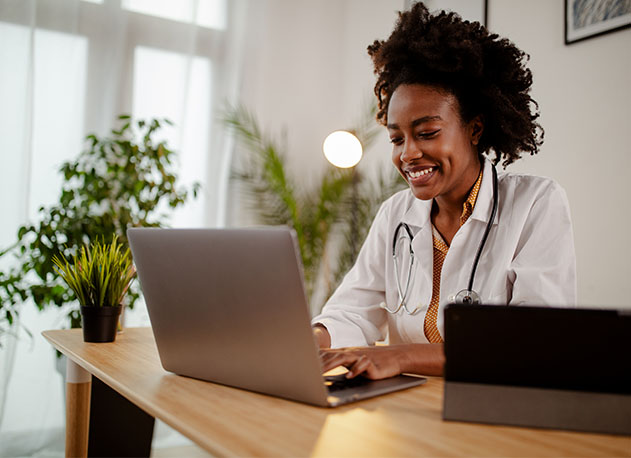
(232, 422)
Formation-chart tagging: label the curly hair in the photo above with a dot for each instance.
(487, 75)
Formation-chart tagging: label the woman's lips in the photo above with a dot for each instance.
(420, 175)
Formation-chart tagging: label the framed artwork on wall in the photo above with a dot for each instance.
(589, 18)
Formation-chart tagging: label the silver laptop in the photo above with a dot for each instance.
(229, 306)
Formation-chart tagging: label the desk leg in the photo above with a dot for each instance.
(78, 383)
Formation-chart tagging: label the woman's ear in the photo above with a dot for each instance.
(476, 127)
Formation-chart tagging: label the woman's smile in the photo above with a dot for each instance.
(420, 175)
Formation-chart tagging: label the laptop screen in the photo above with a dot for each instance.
(562, 348)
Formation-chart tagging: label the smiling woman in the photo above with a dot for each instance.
(449, 93)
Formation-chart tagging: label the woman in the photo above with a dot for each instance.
(449, 94)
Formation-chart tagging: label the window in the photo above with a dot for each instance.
(68, 68)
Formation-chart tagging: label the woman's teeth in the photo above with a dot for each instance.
(420, 173)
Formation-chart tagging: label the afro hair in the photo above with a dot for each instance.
(487, 74)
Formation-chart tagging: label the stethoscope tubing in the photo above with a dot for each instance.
(489, 225)
(403, 293)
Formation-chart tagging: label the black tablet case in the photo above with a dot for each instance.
(562, 368)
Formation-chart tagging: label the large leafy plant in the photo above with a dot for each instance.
(122, 180)
(341, 206)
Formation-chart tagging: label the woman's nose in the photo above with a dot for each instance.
(410, 151)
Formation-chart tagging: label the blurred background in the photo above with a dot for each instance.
(70, 67)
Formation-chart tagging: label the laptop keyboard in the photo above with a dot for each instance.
(340, 382)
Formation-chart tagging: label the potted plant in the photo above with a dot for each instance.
(99, 276)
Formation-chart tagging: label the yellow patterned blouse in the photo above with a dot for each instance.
(440, 251)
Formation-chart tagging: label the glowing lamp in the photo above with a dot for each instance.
(342, 149)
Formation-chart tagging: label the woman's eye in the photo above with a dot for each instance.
(428, 134)
(396, 140)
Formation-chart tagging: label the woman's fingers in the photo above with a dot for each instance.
(333, 359)
(373, 362)
(361, 365)
(356, 362)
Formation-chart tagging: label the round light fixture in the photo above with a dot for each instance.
(342, 149)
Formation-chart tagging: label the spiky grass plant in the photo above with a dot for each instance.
(99, 275)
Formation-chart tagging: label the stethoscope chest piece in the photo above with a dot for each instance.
(467, 296)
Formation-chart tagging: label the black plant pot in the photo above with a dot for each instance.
(100, 323)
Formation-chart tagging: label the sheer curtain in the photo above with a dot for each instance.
(68, 68)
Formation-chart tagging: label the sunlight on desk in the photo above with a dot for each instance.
(374, 427)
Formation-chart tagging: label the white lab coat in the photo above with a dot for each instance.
(528, 259)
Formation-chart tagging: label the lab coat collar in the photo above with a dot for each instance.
(418, 211)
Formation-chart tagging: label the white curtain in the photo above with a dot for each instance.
(68, 68)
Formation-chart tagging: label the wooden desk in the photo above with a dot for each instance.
(228, 421)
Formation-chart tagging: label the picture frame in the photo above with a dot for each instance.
(590, 18)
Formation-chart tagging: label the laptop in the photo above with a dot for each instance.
(562, 368)
(228, 306)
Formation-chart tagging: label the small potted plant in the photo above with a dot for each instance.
(99, 276)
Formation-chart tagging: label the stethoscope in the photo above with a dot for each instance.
(466, 296)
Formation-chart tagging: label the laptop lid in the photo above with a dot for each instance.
(224, 304)
(229, 306)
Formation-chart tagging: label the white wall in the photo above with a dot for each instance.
(308, 72)
(584, 93)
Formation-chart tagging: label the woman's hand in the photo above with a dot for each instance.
(386, 361)
(372, 362)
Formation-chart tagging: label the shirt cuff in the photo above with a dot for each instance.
(342, 335)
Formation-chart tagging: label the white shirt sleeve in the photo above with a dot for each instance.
(352, 315)
(543, 269)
